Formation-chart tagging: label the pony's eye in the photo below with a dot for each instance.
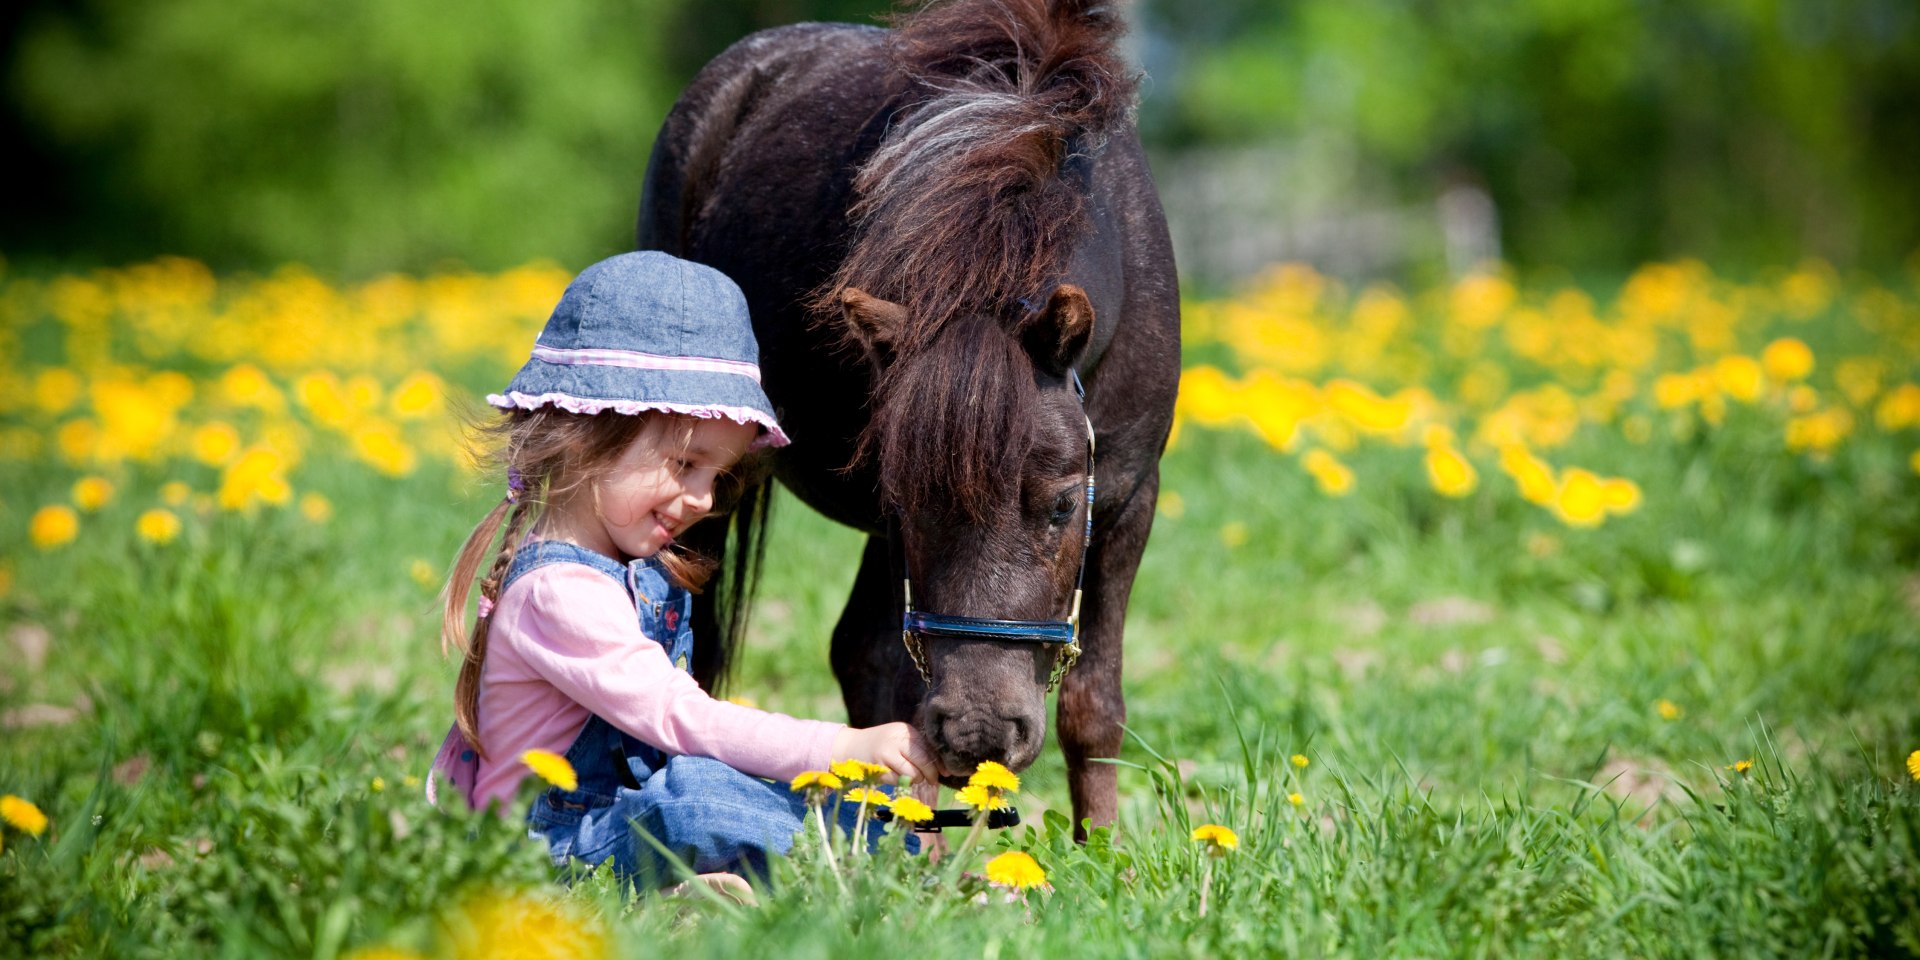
(1063, 507)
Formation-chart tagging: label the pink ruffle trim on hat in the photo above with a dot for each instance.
(773, 437)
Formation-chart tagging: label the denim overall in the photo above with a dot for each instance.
(709, 816)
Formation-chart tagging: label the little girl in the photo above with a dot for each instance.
(642, 393)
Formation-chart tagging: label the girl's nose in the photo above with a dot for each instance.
(699, 499)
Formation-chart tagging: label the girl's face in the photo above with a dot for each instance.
(655, 489)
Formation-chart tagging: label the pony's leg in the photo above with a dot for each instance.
(1092, 705)
(877, 680)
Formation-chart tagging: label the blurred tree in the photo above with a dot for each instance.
(360, 135)
(1608, 131)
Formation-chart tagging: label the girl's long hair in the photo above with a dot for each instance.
(553, 455)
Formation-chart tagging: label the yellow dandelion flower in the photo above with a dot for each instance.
(1739, 377)
(1787, 359)
(981, 798)
(526, 925)
(53, 526)
(409, 781)
(78, 439)
(1740, 766)
(215, 444)
(993, 776)
(92, 493)
(1581, 500)
(1219, 839)
(872, 798)
(173, 493)
(1450, 472)
(1300, 761)
(1296, 799)
(1668, 710)
(316, 507)
(57, 389)
(551, 767)
(417, 396)
(1913, 764)
(22, 815)
(1622, 496)
(911, 810)
(816, 780)
(1015, 869)
(857, 771)
(157, 526)
(378, 784)
(422, 573)
(1335, 479)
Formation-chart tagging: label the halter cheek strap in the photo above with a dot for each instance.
(916, 626)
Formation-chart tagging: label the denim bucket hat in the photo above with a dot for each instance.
(648, 331)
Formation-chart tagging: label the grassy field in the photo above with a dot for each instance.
(1591, 615)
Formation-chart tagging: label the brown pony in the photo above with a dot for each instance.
(936, 226)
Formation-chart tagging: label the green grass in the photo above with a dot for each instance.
(1489, 776)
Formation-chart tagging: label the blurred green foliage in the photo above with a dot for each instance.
(1607, 131)
(361, 136)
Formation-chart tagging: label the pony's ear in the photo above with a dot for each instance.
(873, 322)
(1058, 334)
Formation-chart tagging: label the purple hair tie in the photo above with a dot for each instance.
(515, 485)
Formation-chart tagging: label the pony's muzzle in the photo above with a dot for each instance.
(963, 735)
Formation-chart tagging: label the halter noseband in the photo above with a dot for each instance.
(1064, 634)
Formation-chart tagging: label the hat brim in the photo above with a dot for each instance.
(597, 389)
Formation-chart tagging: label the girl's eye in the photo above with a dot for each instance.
(1063, 508)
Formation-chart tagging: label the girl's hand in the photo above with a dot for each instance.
(896, 746)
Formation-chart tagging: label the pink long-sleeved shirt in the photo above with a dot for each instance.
(565, 643)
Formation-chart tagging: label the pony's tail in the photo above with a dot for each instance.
(513, 514)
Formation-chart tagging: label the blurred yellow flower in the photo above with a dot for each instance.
(380, 445)
(1450, 472)
(1233, 534)
(1819, 433)
(316, 507)
(1581, 500)
(1208, 396)
(1913, 764)
(78, 439)
(157, 526)
(551, 767)
(92, 493)
(1296, 799)
(421, 394)
(321, 395)
(173, 493)
(911, 810)
(1899, 408)
(57, 389)
(1015, 869)
(215, 444)
(1334, 478)
(1531, 474)
(53, 526)
(258, 475)
(1787, 359)
(1674, 390)
(1739, 377)
(1300, 761)
(1740, 766)
(1622, 495)
(1218, 839)
(1668, 710)
(423, 573)
(22, 815)
(246, 385)
(526, 926)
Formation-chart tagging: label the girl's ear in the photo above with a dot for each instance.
(873, 323)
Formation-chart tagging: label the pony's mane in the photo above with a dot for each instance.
(973, 204)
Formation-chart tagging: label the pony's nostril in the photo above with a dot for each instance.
(1020, 729)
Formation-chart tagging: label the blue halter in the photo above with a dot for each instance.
(1064, 634)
